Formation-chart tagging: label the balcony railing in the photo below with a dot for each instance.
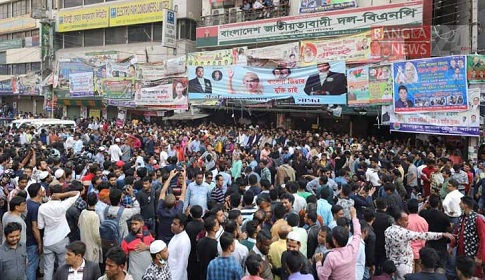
(234, 15)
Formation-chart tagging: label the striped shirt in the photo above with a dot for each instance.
(217, 195)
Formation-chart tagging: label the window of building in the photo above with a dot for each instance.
(34, 32)
(93, 37)
(157, 31)
(18, 69)
(186, 29)
(4, 37)
(19, 8)
(3, 58)
(89, 2)
(3, 69)
(115, 35)
(140, 33)
(73, 39)
(18, 35)
(5, 10)
(35, 66)
(58, 41)
(72, 3)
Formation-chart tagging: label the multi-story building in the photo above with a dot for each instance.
(228, 24)
(124, 30)
(19, 58)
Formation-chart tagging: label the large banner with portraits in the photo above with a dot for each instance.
(324, 83)
(430, 85)
(359, 48)
(465, 123)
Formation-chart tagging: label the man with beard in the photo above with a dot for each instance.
(158, 269)
(136, 245)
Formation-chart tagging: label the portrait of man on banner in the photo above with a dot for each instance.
(403, 101)
(200, 84)
(326, 82)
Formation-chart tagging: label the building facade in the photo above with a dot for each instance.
(19, 58)
(122, 30)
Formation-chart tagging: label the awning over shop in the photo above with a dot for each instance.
(186, 116)
(77, 102)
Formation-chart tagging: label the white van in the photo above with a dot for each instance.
(54, 124)
(23, 123)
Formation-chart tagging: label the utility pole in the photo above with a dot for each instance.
(474, 26)
(42, 10)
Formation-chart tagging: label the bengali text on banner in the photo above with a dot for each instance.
(167, 93)
(81, 84)
(465, 123)
(433, 84)
(301, 85)
(309, 26)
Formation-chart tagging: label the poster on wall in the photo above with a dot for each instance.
(380, 84)
(119, 88)
(433, 84)
(168, 93)
(301, 85)
(121, 118)
(358, 86)
(81, 84)
(287, 55)
(66, 68)
(120, 70)
(359, 48)
(476, 69)
(465, 123)
(218, 58)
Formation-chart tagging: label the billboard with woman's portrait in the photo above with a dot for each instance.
(430, 85)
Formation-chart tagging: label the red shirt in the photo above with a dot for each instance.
(130, 241)
(426, 185)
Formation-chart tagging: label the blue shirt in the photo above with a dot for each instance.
(32, 212)
(224, 268)
(197, 195)
(299, 276)
(324, 209)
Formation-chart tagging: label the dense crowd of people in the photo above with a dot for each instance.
(235, 202)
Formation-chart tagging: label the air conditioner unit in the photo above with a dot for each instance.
(218, 16)
(235, 15)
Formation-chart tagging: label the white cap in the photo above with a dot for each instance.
(43, 175)
(102, 148)
(117, 140)
(294, 236)
(59, 173)
(157, 246)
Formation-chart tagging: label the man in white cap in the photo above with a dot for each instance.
(45, 179)
(59, 178)
(293, 243)
(115, 150)
(159, 268)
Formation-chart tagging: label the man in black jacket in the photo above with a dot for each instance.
(326, 82)
(381, 223)
(76, 264)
